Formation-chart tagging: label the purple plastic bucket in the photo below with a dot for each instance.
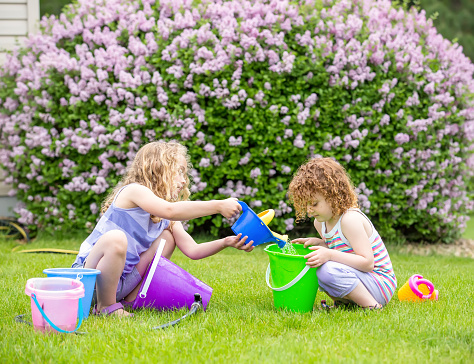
(166, 286)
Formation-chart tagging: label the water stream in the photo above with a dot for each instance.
(289, 249)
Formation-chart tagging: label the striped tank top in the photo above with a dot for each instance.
(383, 270)
(137, 225)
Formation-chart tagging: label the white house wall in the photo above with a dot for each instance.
(17, 19)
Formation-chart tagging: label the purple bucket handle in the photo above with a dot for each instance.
(415, 281)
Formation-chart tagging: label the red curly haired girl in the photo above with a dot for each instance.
(354, 265)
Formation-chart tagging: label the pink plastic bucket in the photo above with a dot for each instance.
(58, 298)
(85, 275)
(167, 286)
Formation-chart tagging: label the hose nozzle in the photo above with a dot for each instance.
(197, 304)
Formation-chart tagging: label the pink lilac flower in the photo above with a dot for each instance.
(385, 120)
(299, 142)
(205, 162)
(245, 159)
(402, 138)
(233, 141)
(285, 169)
(209, 147)
(254, 173)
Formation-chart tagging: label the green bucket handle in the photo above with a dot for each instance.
(288, 285)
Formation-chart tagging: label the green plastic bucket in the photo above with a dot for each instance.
(293, 283)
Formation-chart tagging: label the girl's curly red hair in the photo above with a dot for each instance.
(326, 177)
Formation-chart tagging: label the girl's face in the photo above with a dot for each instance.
(320, 209)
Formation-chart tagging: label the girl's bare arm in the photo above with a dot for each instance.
(352, 225)
(141, 196)
(195, 251)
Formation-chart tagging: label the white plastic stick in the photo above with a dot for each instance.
(151, 273)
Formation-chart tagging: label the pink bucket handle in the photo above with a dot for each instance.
(415, 281)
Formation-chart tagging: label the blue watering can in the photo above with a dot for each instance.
(255, 227)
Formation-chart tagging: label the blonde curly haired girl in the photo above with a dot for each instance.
(152, 196)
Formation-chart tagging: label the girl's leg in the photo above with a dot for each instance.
(339, 299)
(362, 297)
(108, 255)
(337, 279)
(147, 256)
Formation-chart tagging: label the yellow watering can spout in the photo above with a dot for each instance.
(279, 236)
(266, 216)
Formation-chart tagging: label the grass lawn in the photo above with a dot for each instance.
(241, 324)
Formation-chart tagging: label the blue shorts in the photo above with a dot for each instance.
(338, 280)
(125, 286)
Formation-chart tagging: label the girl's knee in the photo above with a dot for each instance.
(170, 243)
(322, 273)
(116, 242)
(327, 273)
(166, 234)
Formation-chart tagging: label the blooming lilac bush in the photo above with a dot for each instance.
(253, 88)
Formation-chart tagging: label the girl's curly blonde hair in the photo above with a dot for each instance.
(326, 177)
(155, 166)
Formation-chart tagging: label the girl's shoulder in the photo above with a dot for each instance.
(131, 188)
(135, 187)
(352, 213)
(352, 218)
(127, 198)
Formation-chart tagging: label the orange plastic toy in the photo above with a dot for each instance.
(418, 289)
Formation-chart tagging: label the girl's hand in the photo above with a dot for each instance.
(318, 257)
(309, 241)
(238, 243)
(229, 207)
